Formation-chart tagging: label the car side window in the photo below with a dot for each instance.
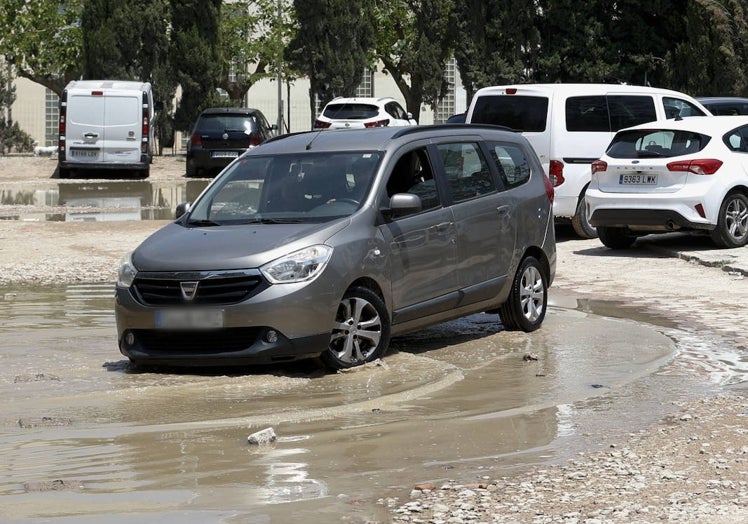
(737, 139)
(512, 163)
(413, 174)
(394, 109)
(467, 171)
(677, 107)
(587, 113)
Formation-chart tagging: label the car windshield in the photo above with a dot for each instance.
(303, 187)
(351, 111)
(656, 143)
(219, 123)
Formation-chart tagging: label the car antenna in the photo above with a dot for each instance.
(309, 145)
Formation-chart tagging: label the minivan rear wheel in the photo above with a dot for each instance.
(528, 298)
(732, 223)
(361, 330)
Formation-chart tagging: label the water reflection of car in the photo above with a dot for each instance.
(681, 175)
(221, 134)
(104, 201)
(327, 244)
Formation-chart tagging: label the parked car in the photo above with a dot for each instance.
(458, 118)
(570, 125)
(725, 105)
(221, 134)
(329, 243)
(680, 175)
(355, 113)
(105, 125)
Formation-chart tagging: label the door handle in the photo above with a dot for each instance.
(90, 135)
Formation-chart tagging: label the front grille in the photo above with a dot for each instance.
(209, 341)
(224, 289)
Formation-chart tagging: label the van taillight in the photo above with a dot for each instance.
(146, 131)
(61, 126)
(196, 140)
(549, 188)
(556, 172)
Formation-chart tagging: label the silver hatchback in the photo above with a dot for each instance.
(326, 244)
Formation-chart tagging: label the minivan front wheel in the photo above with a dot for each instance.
(528, 298)
(361, 330)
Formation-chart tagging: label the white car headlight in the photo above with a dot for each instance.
(127, 272)
(300, 266)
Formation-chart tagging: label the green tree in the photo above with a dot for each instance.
(331, 47)
(196, 56)
(414, 42)
(42, 40)
(12, 138)
(499, 42)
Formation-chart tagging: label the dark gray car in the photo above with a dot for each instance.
(329, 243)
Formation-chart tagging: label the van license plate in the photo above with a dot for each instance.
(84, 153)
(640, 180)
(224, 154)
(189, 318)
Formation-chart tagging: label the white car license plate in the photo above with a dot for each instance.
(638, 179)
(189, 318)
(84, 153)
(224, 154)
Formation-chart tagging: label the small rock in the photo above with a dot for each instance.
(265, 436)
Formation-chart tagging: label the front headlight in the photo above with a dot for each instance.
(300, 266)
(127, 272)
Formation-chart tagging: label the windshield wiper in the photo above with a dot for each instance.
(273, 221)
(202, 223)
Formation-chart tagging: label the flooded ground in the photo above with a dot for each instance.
(84, 437)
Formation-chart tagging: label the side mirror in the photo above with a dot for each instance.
(182, 209)
(403, 204)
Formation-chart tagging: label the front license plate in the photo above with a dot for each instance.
(84, 153)
(638, 179)
(224, 154)
(189, 318)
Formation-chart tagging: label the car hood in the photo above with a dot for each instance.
(178, 248)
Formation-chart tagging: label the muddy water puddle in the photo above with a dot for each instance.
(84, 437)
(97, 200)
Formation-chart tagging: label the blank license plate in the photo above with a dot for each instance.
(189, 318)
(641, 180)
(224, 154)
(84, 153)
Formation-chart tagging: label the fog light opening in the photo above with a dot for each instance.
(129, 338)
(271, 336)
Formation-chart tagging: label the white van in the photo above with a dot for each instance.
(571, 125)
(105, 125)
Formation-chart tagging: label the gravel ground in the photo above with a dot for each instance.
(690, 468)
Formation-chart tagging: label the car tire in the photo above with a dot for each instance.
(580, 221)
(528, 299)
(63, 172)
(190, 170)
(361, 330)
(616, 237)
(732, 223)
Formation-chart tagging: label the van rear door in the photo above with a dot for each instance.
(103, 126)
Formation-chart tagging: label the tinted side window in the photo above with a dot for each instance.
(523, 113)
(394, 109)
(737, 139)
(466, 169)
(413, 174)
(630, 110)
(677, 107)
(587, 113)
(512, 164)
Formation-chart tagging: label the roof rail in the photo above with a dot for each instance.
(408, 130)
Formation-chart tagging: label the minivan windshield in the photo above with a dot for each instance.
(300, 187)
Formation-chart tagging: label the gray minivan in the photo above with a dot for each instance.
(326, 244)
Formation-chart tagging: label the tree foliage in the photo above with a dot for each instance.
(11, 136)
(331, 46)
(414, 41)
(42, 40)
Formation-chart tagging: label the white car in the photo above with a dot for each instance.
(680, 175)
(358, 113)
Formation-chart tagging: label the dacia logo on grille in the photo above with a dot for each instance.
(189, 290)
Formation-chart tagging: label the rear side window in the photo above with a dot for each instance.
(512, 163)
(737, 139)
(656, 143)
(466, 169)
(608, 113)
(351, 111)
(523, 113)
